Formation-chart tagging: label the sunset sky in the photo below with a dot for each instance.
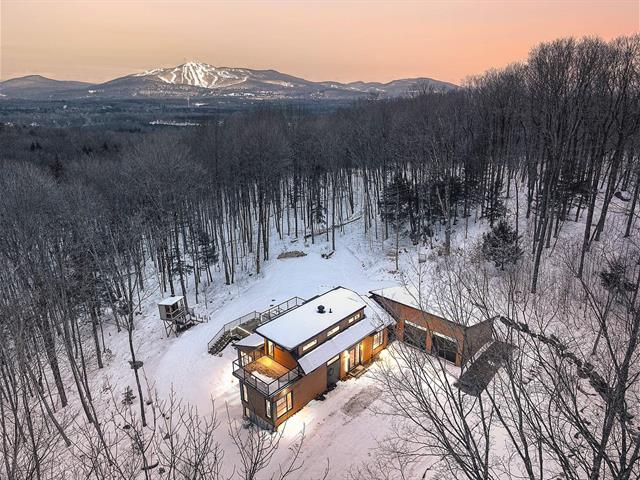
(96, 40)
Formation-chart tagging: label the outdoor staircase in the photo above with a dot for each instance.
(222, 342)
(243, 326)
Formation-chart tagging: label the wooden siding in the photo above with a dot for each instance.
(309, 386)
(470, 339)
(303, 391)
(476, 337)
(282, 356)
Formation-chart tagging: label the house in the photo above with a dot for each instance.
(305, 352)
(426, 328)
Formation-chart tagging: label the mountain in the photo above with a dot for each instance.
(201, 80)
(37, 86)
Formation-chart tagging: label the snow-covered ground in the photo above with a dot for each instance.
(342, 429)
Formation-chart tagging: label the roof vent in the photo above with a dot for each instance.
(320, 308)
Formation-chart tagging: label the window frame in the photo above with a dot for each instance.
(288, 403)
(379, 343)
(244, 393)
(334, 359)
(270, 348)
(309, 345)
(333, 331)
(268, 409)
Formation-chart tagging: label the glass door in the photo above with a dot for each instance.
(354, 356)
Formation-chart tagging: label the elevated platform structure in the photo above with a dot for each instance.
(176, 316)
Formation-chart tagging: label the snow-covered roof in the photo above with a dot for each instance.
(345, 339)
(401, 294)
(170, 300)
(465, 314)
(305, 322)
(253, 340)
(376, 313)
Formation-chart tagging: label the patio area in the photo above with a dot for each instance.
(266, 369)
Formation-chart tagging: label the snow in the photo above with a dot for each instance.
(410, 296)
(305, 322)
(340, 342)
(345, 427)
(253, 340)
(170, 300)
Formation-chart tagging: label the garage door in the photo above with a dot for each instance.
(415, 335)
(444, 347)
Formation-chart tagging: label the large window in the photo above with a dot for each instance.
(270, 348)
(378, 338)
(284, 404)
(245, 393)
(333, 331)
(309, 345)
(268, 408)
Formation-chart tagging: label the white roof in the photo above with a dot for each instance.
(170, 300)
(462, 313)
(295, 327)
(253, 340)
(343, 340)
(401, 294)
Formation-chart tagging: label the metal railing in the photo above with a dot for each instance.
(232, 325)
(280, 309)
(260, 317)
(268, 389)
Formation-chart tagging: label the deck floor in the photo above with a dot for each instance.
(266, 367)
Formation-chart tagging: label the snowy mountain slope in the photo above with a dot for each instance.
(195, 79)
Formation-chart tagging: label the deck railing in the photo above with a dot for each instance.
(232, 325)
(261, 317)
(267, 388)
(280, 309)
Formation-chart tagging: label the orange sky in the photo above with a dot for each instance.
(344, 40)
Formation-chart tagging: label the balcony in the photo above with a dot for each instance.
(263, 373)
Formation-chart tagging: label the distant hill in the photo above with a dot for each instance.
(37, 86)
(201, 80)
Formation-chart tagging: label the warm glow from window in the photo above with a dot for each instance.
(309, 345)
(378, 338)
(333, 331)
(284, 404)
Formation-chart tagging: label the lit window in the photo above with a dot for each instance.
(270, 348)
(284, 404)
(309, 345)
(353, 318)
(245, 393)
(333, 331)
(268, 408)
(378, 338)
(334, 359)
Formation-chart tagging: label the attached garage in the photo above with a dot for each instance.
(425, 327)
(415, 335)
(444, 347)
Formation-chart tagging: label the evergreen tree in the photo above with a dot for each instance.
(501, 245)
(128, 397)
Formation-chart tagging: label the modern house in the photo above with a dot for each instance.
(426, 328)
(294, 358)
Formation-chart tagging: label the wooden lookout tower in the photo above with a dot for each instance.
(176, 316)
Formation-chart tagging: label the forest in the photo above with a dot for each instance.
(87, 217)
